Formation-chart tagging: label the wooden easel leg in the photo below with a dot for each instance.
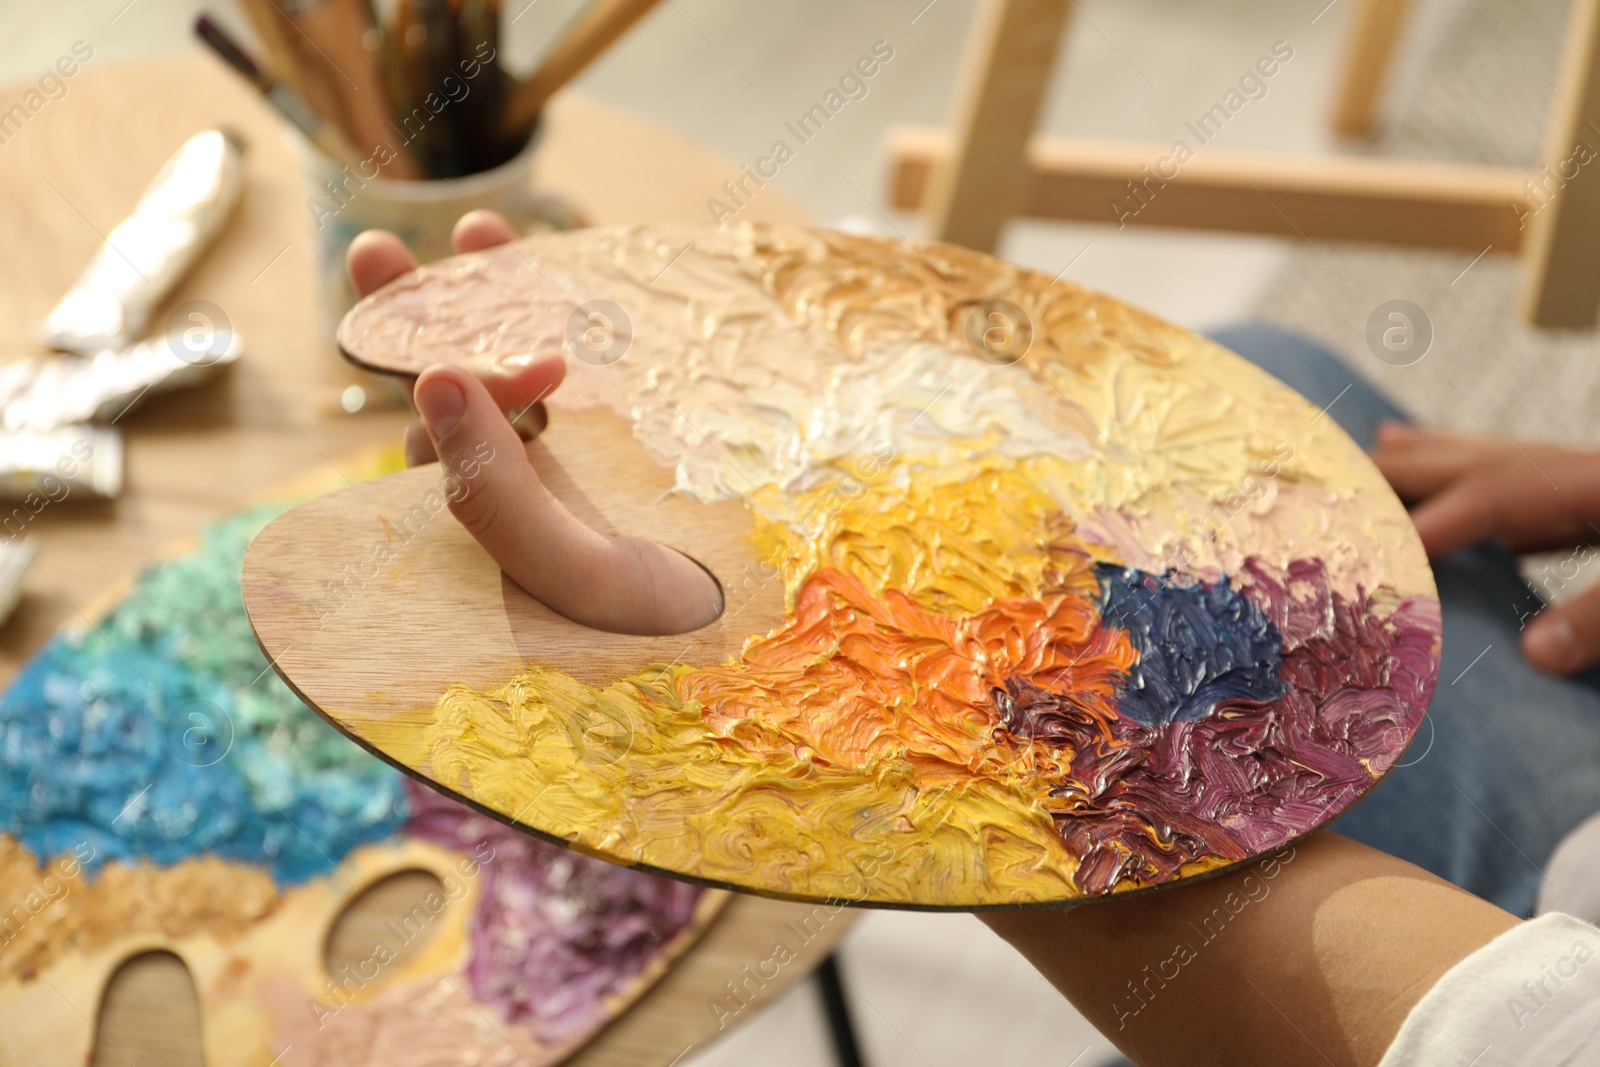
(1009, 61)
(1561, 286)
(1373, 38)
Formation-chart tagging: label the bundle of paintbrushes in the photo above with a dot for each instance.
(409, 89)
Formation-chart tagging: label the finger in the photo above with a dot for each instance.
(481, 229)
(517, 385)
(418, 445)
(620, 584)
(1394, 433)
(1463, 514)
(376, 258)
(517, 381)
(1419, 466)
(1565, 638)
(1510, 499)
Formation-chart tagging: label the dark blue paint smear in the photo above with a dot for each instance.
(1200, 644)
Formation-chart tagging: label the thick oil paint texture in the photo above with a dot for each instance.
(146, 737)
(1086, 619)
(555, 934)
(1198, 644)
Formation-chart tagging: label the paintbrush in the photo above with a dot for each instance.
(421, 49)
(484, 146)
(283, 98)
(440, 80)
(274, 31)
(334, 35)
(590, 34)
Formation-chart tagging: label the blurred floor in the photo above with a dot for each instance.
(930, 989)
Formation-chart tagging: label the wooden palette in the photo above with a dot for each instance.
(254, 946)
(1031, 597)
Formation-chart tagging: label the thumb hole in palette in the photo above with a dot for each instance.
(149, 986)
(393, 912)
(699, 586)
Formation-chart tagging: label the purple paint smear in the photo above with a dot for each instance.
(1250, 775)
(555, 933)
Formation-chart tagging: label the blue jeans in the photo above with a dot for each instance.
(1508, 759)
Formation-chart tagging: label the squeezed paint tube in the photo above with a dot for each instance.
(58, 390)
(39, 467)
(176, 218)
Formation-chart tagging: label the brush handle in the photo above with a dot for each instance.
(230, 52)
(590, 34)
(280, 94)
(333, 34)
(274, 31)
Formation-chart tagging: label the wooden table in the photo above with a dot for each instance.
(70, 174)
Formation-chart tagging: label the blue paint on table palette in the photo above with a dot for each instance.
(159, 733)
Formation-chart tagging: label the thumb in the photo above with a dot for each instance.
(620, 584)
(1565, 638)
(1460, 515)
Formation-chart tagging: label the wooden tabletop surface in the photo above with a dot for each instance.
(73, 171)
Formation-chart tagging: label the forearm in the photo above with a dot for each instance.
(1313, 956)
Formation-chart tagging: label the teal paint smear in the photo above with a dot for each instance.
(161, 733)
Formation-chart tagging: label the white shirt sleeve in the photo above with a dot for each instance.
(1529, 998)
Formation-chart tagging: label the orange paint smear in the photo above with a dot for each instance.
(856, 682)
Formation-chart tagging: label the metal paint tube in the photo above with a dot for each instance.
(39, 467)
(62, 389)
(179, 214)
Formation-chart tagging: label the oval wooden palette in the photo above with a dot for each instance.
(1031, 597)
(252, 938)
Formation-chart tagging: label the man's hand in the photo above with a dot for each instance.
(618, 584)
(1535, 497)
